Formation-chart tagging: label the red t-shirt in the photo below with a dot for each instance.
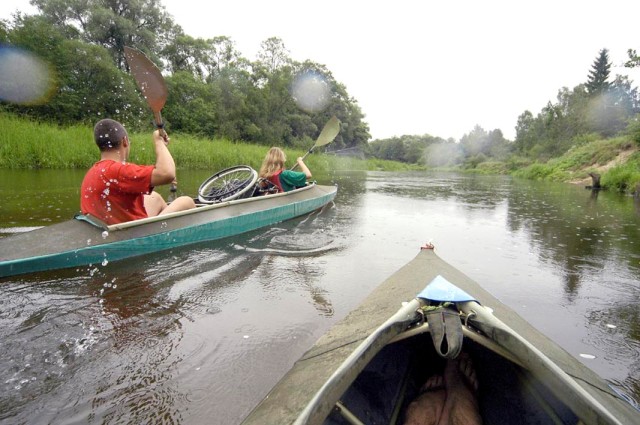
(114, 192)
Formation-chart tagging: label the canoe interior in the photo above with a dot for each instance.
(507, 394)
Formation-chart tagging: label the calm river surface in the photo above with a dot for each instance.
(200, 335)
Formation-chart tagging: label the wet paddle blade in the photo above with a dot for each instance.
(329, 132)
(148, 77)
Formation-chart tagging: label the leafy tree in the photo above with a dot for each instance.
(213, 90)
(89, 86)
(273, 55)
(205, 59)
(186, 53)
(113, 24)
(225, 55)
(526, 136)
(4, 31)
(443, 154)
(475, 142)
(237, 106)
(191, 105)
(634, 59)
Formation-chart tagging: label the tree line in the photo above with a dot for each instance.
(598, 108)
(214, 91)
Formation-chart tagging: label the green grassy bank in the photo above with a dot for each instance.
(616, 160)
(26, 144)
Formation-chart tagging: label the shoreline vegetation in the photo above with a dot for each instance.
(29, 144)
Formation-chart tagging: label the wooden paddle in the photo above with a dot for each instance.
(151, 84)
(328, 133)
(149, 80)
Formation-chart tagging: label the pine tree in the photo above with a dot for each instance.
(599, 74)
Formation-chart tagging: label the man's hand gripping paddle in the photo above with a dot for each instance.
(151, 84)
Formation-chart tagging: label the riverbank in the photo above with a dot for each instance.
(28, 144)
(615, 160)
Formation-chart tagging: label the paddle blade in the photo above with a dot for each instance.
(148, 77)
(329, 132)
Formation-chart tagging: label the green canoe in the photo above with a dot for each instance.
(369, 366)
(85, 240)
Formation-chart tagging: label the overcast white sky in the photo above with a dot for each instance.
(426, 67)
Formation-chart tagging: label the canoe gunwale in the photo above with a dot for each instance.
(286, 401)
(78, 242)
(203, 207)
(584, 405)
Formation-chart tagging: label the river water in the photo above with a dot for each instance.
(200, 334)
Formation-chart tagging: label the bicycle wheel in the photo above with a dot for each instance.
(228, 184)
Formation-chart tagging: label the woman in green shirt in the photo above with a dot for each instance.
(273, 170)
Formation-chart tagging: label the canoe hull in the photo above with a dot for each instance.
(76, 242)
(304, 395)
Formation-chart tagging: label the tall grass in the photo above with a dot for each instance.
(25, 143)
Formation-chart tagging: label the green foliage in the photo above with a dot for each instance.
(410, 149)
(633, 129)
(596, 109)
(623, 178)
(492, 167)
(535, 172)
(480, 144)
(111, 24)
(472, 161)
(373, 164)
(88, 86)
(213, 90)
(578, 162)
(216, 93)
(599, 73)
(25, 143)
(516, 162)
(634, 59)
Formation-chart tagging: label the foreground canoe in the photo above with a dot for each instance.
(84, 240)
(369, 366)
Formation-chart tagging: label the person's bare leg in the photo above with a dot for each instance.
(179, 204)
(461, 404)
(154, 204)
(426, 409)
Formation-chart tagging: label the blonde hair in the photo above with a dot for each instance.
(273, 162)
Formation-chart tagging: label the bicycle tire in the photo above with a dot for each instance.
(228, 184)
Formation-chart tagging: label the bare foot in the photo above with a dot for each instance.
(426, 409)
(461, 382)
(436, 382)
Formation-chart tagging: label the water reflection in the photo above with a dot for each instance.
(573, 229)
(157, 338)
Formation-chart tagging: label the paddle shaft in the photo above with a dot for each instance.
(304, 156)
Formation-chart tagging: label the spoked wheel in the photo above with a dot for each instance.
(228, 184)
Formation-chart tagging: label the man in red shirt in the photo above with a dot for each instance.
(116, 191)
